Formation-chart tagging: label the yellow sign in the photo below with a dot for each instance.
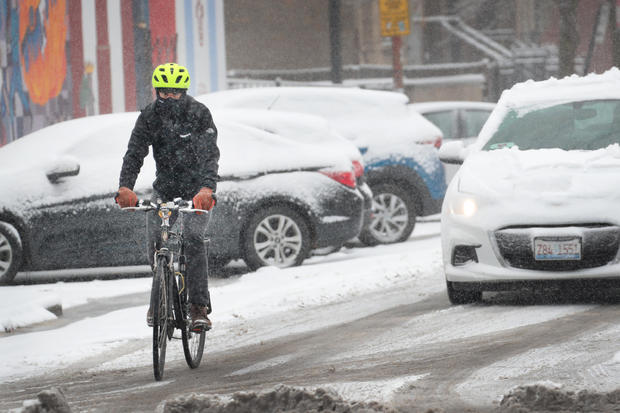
(394, 17)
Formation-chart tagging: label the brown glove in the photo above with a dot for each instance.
(204, 199)
(125, 197)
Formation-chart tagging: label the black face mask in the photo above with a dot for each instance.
(170, 107)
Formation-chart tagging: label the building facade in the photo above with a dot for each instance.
(62, 59)
(457, 49)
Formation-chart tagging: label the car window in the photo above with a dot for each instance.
(444, 121)
(473, 120)
(584, 125)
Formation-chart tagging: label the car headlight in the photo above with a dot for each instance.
(465, 206)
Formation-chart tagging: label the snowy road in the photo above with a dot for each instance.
(369, 323)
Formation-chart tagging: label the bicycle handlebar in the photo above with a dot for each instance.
(177, 204)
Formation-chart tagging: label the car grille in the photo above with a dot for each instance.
(599, 244)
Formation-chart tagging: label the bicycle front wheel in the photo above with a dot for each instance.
(193, 345)
(193, 341)
(160, 306)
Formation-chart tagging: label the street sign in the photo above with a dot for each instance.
(394, 17)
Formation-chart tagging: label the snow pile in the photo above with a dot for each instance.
(48, 401)
(539, 398)
(281, 399)
(23, 305)
(16, 311)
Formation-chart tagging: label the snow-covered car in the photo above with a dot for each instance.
(309, 129)
(458, 120)
(536, 198)
(405, 176)
(57, 209)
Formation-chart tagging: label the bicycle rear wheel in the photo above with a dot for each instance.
(193, 341)
(160, 306)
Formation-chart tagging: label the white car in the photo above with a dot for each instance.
(406, 178)
(536, 201)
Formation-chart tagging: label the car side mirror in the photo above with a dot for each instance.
(453, 152)
(63, 167)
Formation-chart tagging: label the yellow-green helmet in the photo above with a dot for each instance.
(171, 75)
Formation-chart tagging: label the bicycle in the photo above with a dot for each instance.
(169, 296)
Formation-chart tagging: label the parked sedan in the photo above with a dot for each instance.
(406, 177)
(57, 209)
(309, 129)
(536, 199)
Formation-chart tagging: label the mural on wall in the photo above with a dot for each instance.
(55, 65)
(14, 95)
(33, 38)
(42, 37)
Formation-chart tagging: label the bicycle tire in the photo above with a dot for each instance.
(193, 342)
(160, 306)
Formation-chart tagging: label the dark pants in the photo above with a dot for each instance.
(194, 231)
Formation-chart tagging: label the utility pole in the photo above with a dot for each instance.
(397, 64)
(335, 42)
(568, 36)
(614, 16)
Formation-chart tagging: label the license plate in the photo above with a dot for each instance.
(546, 249)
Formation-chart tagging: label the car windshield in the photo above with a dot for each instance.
(584, 125)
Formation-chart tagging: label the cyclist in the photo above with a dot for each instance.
(184, 140)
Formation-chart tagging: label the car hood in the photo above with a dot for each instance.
(553, 175)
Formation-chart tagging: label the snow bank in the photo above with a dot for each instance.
(23, 305)
(281, 399)
(542, 399)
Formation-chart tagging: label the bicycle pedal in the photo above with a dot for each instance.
(200, 329)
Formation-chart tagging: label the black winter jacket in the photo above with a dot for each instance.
(184, 147)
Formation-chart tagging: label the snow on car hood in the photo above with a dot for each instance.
(98, 144)
(544, 174)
